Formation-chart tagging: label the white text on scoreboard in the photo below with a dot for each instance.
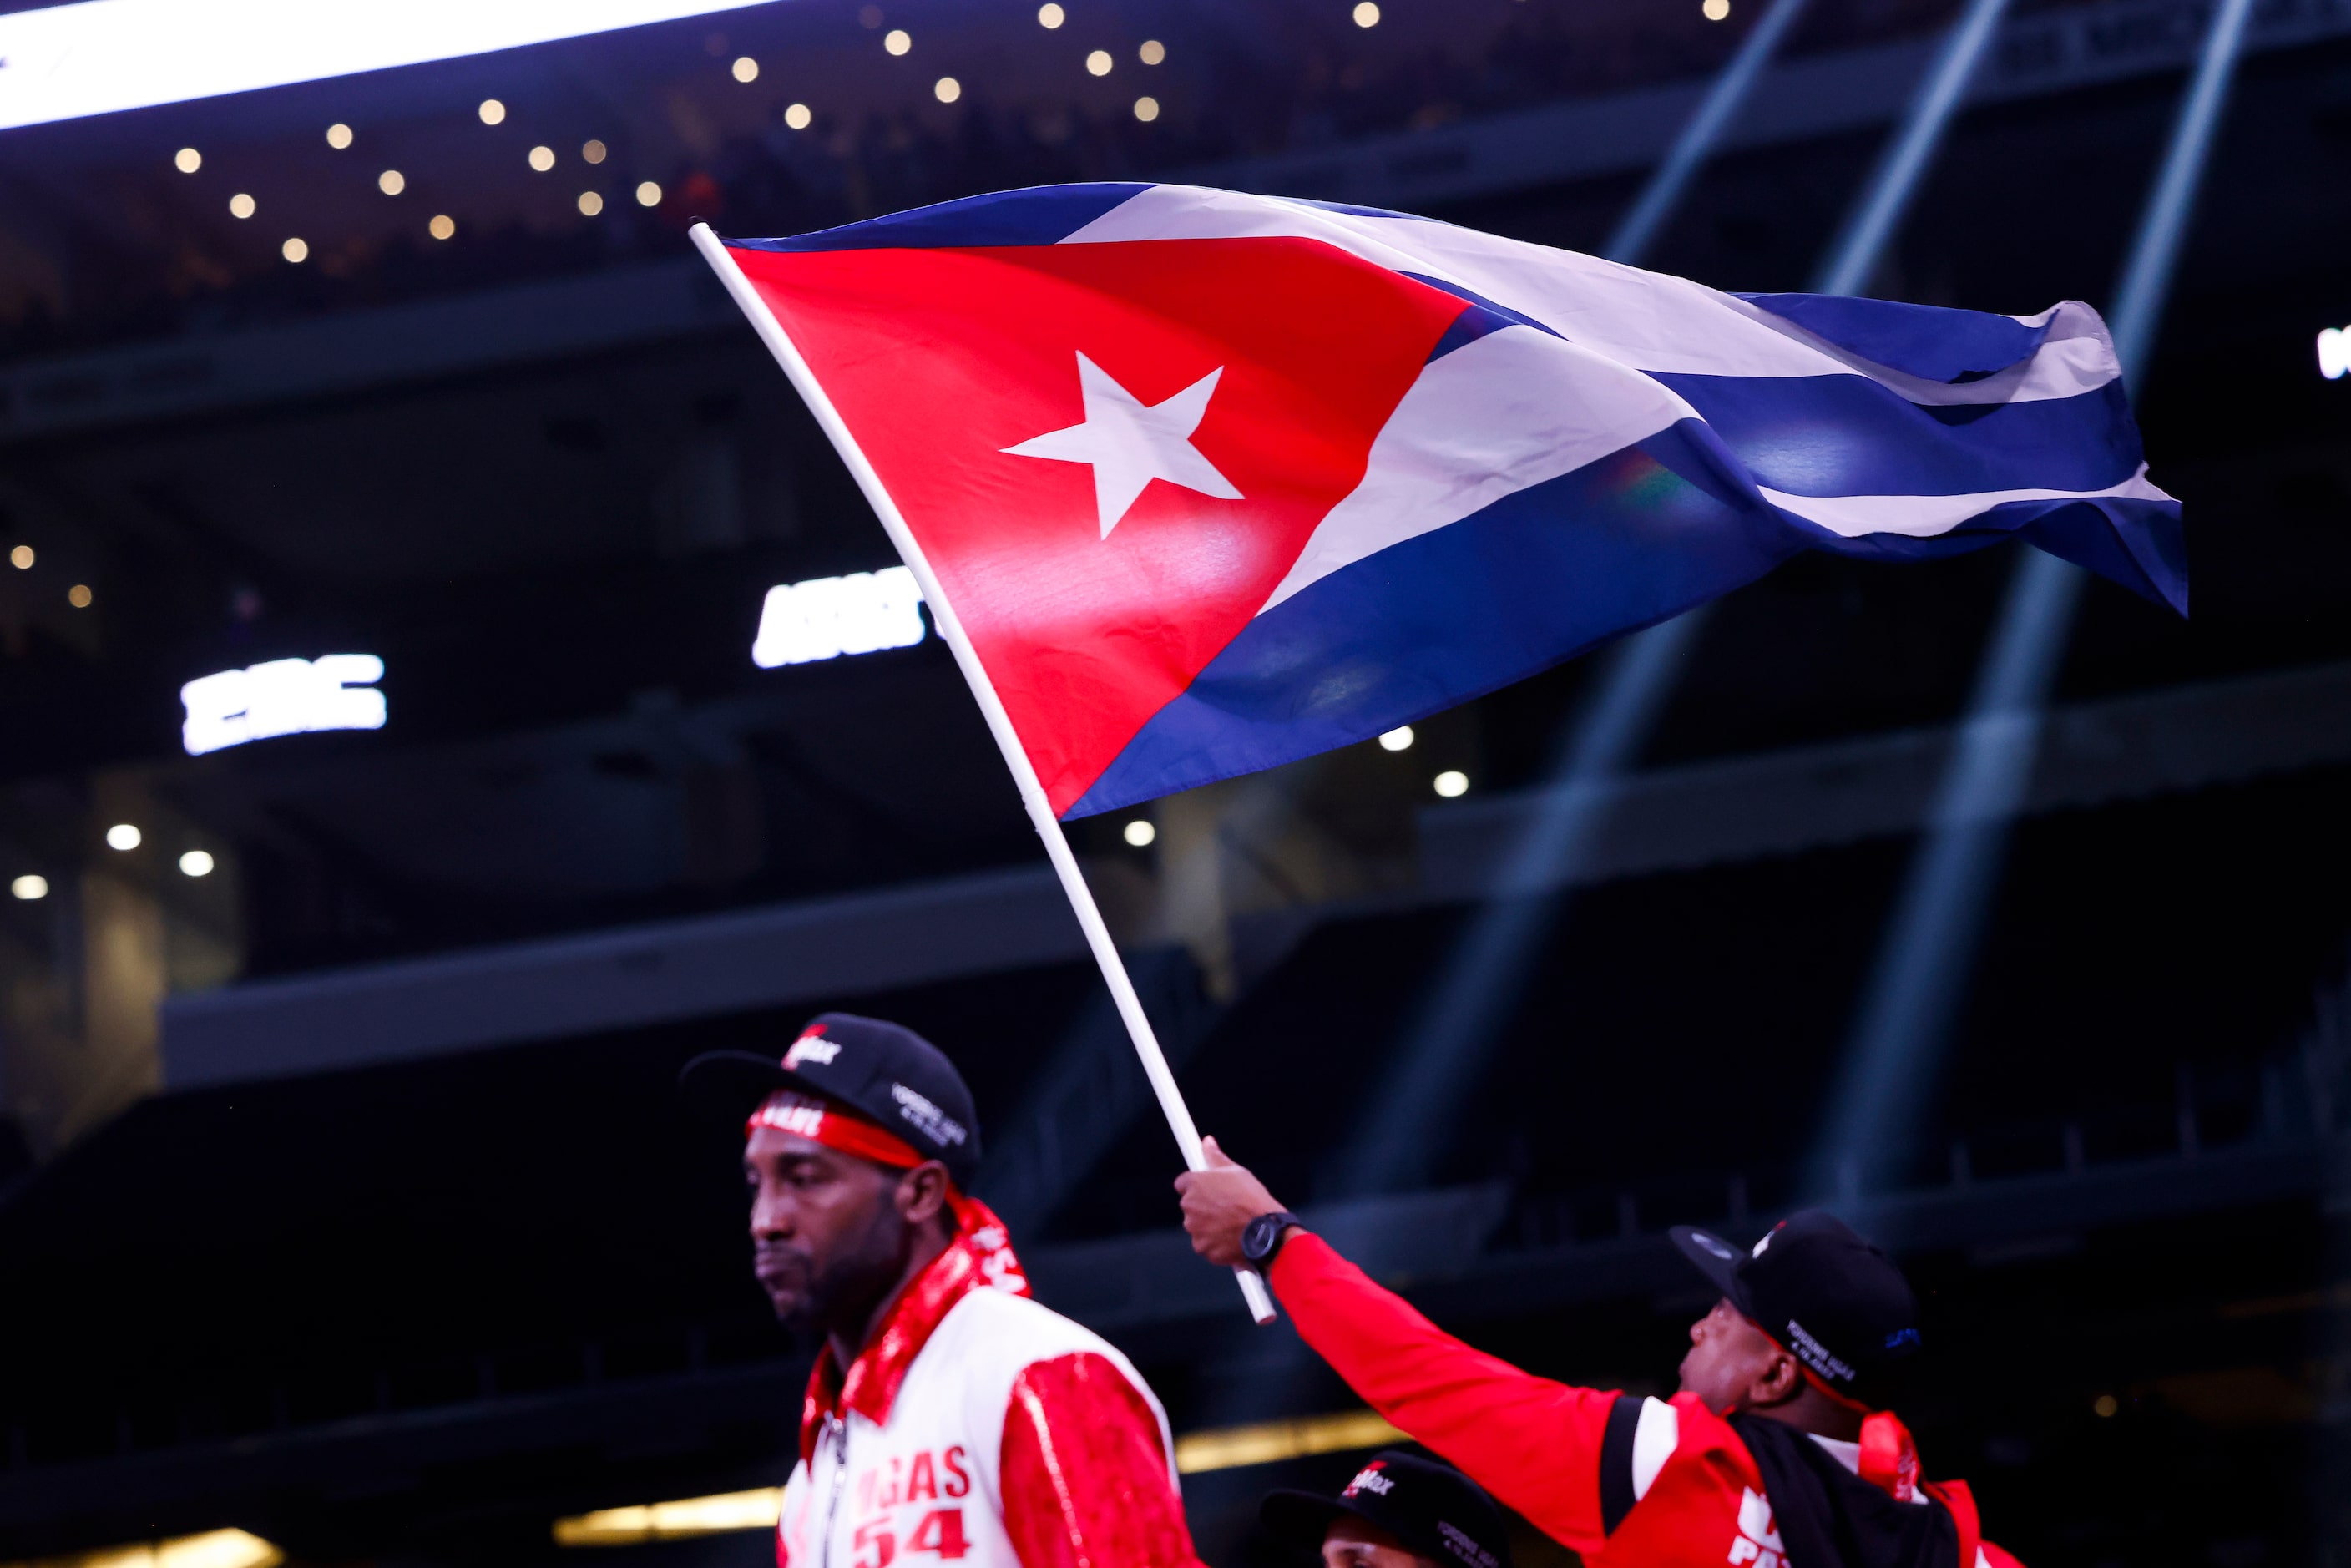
(826, 617)
(284, 697)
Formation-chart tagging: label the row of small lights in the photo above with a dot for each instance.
(897, 41)
(1367, 14)
(122, 837)
(746, 69)
(648, 193)
(1452, 784)
(392, 183)
(78, 595)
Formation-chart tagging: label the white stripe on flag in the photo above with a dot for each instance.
(1920, 517)
(1511, 410)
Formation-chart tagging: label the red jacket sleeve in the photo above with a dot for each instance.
(1086, 1478)
(1533, 1443)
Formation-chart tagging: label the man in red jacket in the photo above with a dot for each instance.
(1777, 1447)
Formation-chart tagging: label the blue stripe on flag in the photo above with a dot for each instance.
(2137, 543)
(1849, 435)
(1537, 577)
(1924, 341)
(1474, 322)
(1046, 215)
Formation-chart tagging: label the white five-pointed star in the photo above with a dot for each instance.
(1130, 444)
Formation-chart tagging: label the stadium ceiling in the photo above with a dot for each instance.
(67, 62)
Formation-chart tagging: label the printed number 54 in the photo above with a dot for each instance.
(940, 1531)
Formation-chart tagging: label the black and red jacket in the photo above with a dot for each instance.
(1622, 1481)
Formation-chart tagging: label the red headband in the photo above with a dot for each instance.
(821, 1122)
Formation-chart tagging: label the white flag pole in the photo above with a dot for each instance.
(999, 723)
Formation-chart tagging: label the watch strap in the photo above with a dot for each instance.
(1262, 1241)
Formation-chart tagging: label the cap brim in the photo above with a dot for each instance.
(726, 1086)
(1301, 1519)
(1716, 1258)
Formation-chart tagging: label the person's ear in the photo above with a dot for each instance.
(922, 1193)
(1780, 1380)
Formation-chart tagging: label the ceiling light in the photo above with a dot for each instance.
(1051, 16)
(1451, 783)
(213, 1549)
(79, 596)
(1397, 739)
(592, 151)
(123, 836)
(442, 226)
(745, 68)
(946, 89)
(21, 558)
(1715, 10)
(339, 136)
(1140, 833)
(798, 116)
(2333, 352)
(897, 40)
(1098, 63)
(1366, 13)
(284, 697)
(294, 250)
(492, 111)
(240, 205)
(1147, 110)
(648, 194)
(29, 887)
(826, 617)
(391, 181)
(692, 1516)
(187, 160)
(542, 159)
(591, 203)
(196, 862)
(1153, 51)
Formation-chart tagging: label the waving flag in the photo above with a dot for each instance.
(1213, 482)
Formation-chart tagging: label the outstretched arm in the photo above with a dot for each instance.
(1534, 1444)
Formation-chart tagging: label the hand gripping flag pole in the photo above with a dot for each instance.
(999, 723)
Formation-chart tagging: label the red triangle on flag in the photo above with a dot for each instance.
(1098, 571)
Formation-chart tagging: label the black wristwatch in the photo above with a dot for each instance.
(1261, 1237)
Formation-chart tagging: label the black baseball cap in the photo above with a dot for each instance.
(1434, 1509)
(1830, 1300)
(883, 1071)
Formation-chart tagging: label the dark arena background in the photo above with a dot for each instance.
(347, 1216)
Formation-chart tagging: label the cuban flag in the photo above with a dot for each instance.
(1213, 482)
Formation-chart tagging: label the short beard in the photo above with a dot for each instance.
(841, 1297)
